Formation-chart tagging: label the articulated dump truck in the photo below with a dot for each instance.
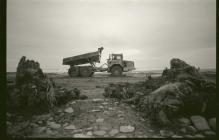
(115, 64)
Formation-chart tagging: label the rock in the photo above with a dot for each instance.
(126, 129)
(69, 110)
(113, 132)
(122, 136)
(105, 127)
(51, 118)
(176, 136)
(191, 129)
(133, 106)
(163, 117)
(83, 97)
(98, 100)
(199, 136)
(106, 112)
(104, 103)
(100, 120)
(95, 110)
(110, 108)
(65, 124)
(50, 132)
(77, 130)
(156, 136)
(39, 130)
(212, 123)
(54, 125)
(34, 125)
(166, 133)
(73, 102)
(8, 123)
(80, 136)
(200, 123)
(151, 131)
(184, 121)
(116, 103)
(183, 130)
(99, 133)
(189, 136)
(40, 122)
(89, 133)
(70, 127)
(89, 128)
(101, 107)
(209, 133)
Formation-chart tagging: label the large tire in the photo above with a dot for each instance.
(116, 71)
(73, 71)
(86, 71)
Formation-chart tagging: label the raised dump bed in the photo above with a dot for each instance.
(82, 59)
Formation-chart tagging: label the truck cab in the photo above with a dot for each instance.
(116, 64)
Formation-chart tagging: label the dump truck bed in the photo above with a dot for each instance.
(82, 59)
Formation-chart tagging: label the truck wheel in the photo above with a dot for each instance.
(86, 71)
(73, 71)
(116, 71)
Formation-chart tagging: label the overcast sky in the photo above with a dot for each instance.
(149, 32)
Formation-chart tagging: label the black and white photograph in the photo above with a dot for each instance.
(111, 69)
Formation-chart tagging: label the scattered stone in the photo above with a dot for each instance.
(110, 108)
(200, 123)
(98, 100)
(39, 130)
(212, 123)
(209, 133)
(122, 136)
(95, 110)
(176, 136)
(69, 110)
(151, 131)
(166, 133)
(199, 136)
(89, 133)
(34, 125)
(50, 132)
(65, 124)
(126, 129)
(8, 123)
(106, 112)
(89, 128)
(156, 136)
(80, 136)
(100, 120)
(73, 102)
(189, 136)
(40, 122)
(113, 132)
(51, 118)
(77, 130)
(191, 129)
(54, 125)
(100, 107)
(183, 130)
(99, 133)
(184, 121)
(104, 103)
(70, 127)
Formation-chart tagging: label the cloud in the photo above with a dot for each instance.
(148, 32)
